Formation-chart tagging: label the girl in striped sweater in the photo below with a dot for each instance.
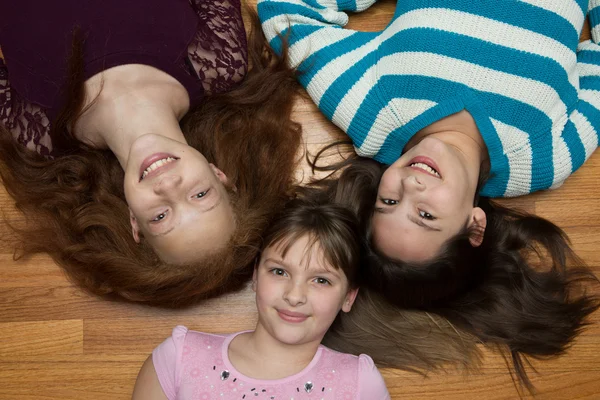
(459, 101)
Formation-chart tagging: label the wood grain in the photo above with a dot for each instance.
(59, 343)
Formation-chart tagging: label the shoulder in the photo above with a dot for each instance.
(337, 357)
(361, 369)
(366, 364)
(195, 339)
(370, 381)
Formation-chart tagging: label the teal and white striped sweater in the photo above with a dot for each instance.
(516, 66)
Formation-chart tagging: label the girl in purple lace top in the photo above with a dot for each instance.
(133, 199)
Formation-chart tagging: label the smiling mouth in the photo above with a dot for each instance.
(156, 164)
(426, 168)
(290, 316)
(426, 165)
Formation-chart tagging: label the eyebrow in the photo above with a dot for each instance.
(205, 211)
(422, 224)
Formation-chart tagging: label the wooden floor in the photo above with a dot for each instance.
(59, 343)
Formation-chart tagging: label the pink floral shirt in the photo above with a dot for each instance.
(195, 365)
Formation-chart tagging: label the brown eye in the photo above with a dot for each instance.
(278, 272)
(200, 195)
(159, 217)
(389, 202)
(426, 215)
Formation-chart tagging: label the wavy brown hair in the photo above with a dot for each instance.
(75, 206)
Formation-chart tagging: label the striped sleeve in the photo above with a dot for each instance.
(594, 17)
(329, 58)
(584, 121)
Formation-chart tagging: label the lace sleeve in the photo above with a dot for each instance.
(219, 51)
(27, 122)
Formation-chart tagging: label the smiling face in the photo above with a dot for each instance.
(298, 296)
(178, 201)
(424, 199)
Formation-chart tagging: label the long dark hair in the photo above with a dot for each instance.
(522, 290)
(412, 340)
(76, 209)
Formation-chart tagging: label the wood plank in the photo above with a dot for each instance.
(35, 338)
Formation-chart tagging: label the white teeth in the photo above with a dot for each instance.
(156, 165)
(426, 168)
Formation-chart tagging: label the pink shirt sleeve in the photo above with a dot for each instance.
(166, 358)
(371, 385)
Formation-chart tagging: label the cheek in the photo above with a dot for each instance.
(266, 293)
(389, 180)
(136, 200)
(448, 199)
(328, 305)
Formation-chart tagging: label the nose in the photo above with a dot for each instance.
(413, 183)
(167, 184)
(295, 294)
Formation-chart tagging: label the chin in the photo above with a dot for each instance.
(291, 338)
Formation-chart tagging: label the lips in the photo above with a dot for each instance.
(291, 316)
(426, 165)
(155, 158)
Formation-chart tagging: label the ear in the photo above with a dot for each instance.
(135, 229)
(254, 278)
(477, 225)
(349, 300)
(219, 174)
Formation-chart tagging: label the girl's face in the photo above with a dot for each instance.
(298, 296)
(178, 201)
(424, 199)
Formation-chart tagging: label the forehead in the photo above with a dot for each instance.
(302, 251)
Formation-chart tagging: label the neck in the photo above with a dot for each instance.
(460, 131)
(126, 102)
(273, 359)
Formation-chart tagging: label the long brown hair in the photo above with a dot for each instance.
(395, 337)
(522, 290)
(412, 340)
(76, 210)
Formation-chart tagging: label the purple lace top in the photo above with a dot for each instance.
(200, 43)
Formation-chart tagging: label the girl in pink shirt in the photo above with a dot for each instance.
(307, 273)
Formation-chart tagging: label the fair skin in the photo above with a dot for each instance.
(176, 198)
(297, 302)
(426, 196)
